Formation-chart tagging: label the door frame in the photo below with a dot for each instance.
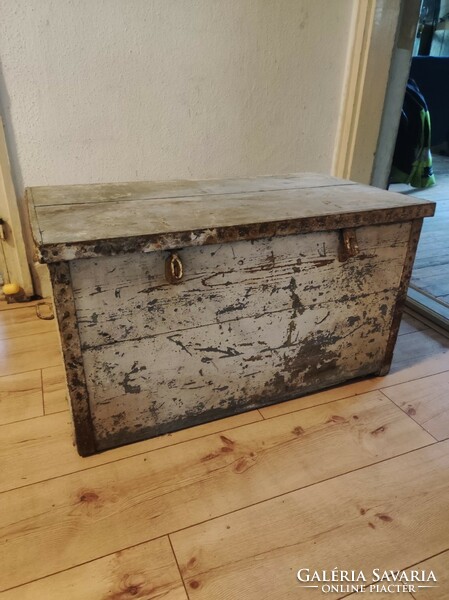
(382, 36)
(13, 258)
(376, 81)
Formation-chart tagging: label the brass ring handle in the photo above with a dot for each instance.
(174, 270)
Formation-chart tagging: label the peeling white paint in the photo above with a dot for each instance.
(251, 323)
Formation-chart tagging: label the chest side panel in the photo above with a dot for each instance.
(126, 297)
(251, 324)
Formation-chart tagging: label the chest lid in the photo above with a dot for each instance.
(81, 221)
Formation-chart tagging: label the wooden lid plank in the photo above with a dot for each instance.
(83, 221)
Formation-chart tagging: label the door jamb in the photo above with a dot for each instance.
(377, 30)
(13, 246)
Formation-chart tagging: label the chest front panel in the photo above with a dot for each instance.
(251, 323)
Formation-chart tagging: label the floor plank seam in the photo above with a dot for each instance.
(21, 373)
(304, 487)
(34, 418)
(413, 379)
(42, 393)
(412, 332)
(28, 371)
(47, 433)
(23, 420)
(177, 565)
(25, 335)
(273, 497)
(409, 416)
(350, 395)
(290, 412)
(217, 432)
(408, 567)
(82, 564)
(265, 418)
(83, 469)
(57, 412)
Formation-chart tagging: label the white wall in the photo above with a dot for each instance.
(117, 90)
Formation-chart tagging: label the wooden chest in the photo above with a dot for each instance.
(182, 302)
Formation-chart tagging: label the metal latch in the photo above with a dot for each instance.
(348, 245)
(174, 270)
(2, 230)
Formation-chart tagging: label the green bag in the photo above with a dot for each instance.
(412, 161)
(422, 175)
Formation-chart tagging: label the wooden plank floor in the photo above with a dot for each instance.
(355, 477)
(431, 270)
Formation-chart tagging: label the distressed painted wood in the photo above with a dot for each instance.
(127, 297)
(73, 360)
(290, 285)
(158, 384)
(70, 231)
(415, 230)
(285, 325)
(418, 356)
(180, 188)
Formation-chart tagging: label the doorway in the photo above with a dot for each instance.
(429, 288)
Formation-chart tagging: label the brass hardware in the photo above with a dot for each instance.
(348, 246)
(174, 270)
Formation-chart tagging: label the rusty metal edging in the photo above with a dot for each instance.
(415, 230)
(71, 348)
(66, 251)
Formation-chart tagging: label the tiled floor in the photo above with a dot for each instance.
(356, 477)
